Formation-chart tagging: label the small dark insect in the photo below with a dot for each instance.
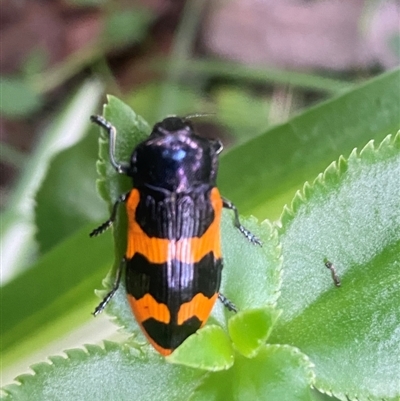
(334, 274)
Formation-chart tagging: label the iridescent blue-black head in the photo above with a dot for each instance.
(175, 158)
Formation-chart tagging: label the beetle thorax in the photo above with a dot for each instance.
(176, 162)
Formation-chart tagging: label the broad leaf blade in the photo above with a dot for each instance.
(251, 276)
(45, 296)
(68, 194)
(17, 228)
(351, 216)
(112, 373)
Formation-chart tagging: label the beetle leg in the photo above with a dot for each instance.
(227, 303)
(100, 307)
(107, 224)
(248, 234)
(112, 133)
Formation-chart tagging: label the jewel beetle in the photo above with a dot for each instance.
(173, 259)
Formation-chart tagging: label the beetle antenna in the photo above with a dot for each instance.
(197, 115)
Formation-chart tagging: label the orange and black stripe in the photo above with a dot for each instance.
(174, 264)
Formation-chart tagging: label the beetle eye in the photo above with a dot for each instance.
(217, 146)
(170, 125)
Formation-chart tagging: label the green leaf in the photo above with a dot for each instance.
(17, 228)
(350, 216)
(318, 396)
(250, 329)
(208, 68)
(277, 373)
(112, 373)
(208, 349)
(262, 175)
(18, 99)
(75, 202)
(35, 310)
(252, 273)
(131, 129)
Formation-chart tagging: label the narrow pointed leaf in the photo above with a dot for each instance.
(250, 329)
(208, 349)
(263, 174)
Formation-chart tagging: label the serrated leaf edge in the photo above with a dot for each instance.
(66, 357)
(301, 197)
(274, 238)
(171, 359)
(354, 397)
(274, 313)
(336, 168)
(305, 360)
